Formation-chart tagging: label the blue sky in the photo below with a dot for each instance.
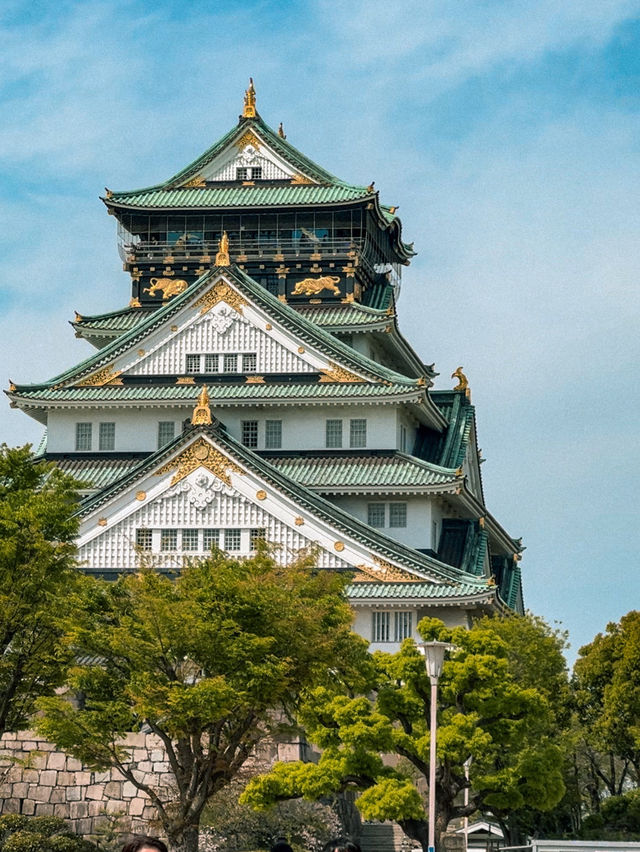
(507, 132)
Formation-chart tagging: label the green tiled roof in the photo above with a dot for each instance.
(98, 473)
(350, 315)
(363, 591)
(115, 321)
(305, 330)
(399, 471)
(260, 195)
(222, 391)
(341, 520)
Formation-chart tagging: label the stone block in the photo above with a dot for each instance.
(115, 806)
(150, 779)
(11, 806)
(78, 810)
(148, 813)
(95, 791)
(66, 779)
(82, 779)
(57, 795)
(113, 790)
(135, 740)
(49, 778)
(20, 790)
(43, 809)
(61, 810)
(37, 760)
(95, 808)
(145, 766)
(56, 760)
(10, 736)
(85, 826)
(28, 807)
(129, 790)
(74, 794)
(139, 754)
(167, 778)
(40, 794)
(158, 754)
(6, 790)
(30, 775)
(43, 745)
(74, 765)
(161, 766)
(25, 735)
(136, 807)
(101, 777)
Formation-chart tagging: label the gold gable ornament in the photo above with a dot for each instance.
(200, 454)
(202, 412)
(222, 257)
(463, 383)
(249, 110)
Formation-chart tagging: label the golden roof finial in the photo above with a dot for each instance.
(281, 132)
(202, 413)
(463, 383)
(222, 257)
(249, 110)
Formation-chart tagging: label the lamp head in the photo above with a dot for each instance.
(434, 657)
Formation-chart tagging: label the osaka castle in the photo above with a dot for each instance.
(255, 385)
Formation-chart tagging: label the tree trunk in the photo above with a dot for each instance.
(183, 838)
(416, 829)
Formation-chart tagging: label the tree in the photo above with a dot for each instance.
(379, 744)
(607, 697)
(37, 571)
(212, 662)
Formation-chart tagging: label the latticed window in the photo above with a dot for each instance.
(249, 362)
(168, 540)
(403, 622)
(144, 539)
(230, 364)
(211, 363)
(333, 433)
(250, 433)
(358, 433)
(189, 539)
(397, 514)
(210, 538)
(232, 539)
(380, 627)
(256, 172)
(83, 437)
(107, 437)
(255, 536)
(375, 515)
(273, 434)
(242, 173)
(193, 364)
(166, 432)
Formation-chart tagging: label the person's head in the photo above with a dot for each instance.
(341, 844)
(145, 843)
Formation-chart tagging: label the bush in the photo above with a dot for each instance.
(46, 825)
(20, 833)
(26, 841)
(9, 824)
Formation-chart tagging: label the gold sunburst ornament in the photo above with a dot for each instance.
(200, 454)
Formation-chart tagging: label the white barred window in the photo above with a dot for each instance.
(333, 434)
(397, 514)
(232, 539)
(375, 515)
(211, 363)
(211, 538)
(255, 536)
(381, 625)
(193, 364)
(190, 539)
(358, 433)
(403, 623)
(249, 362)
(168, 540)
(230, 364)
(144, 539)
(166, 432)
(83, 436)
(273, 434)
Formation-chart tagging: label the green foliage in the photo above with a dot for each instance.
(501, 703)
(37, 580)
(26, 841)
(618, 818)
(20, 833)
(212, 661)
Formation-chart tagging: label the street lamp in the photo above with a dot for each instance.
(434, 658)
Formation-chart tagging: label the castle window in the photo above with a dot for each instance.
(211, 363)
(83, 437)
(232, 539)
(256, 173)
(249, 362)
(211, 538)
(255, 536)
(250, 433)
(107, 437)
(358, 433)
(397, 514)
(333, 434)
(193, 364)
(189, 539)
(248, 173)
(376, 515)
(381, 625)
(230, 364)
(166, 432)
(242, 173)
(168, 540)
(144, 539)
(403, 622)
(273, 434)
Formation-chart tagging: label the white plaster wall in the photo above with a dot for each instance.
(417, 533)
(302, 428)
(363, 622)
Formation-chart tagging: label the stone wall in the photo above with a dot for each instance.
(37, 780)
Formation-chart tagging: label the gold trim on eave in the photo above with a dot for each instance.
(107, 376)
(335, 373)
(200, 454)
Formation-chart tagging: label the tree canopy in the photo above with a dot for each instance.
(37, 571)
(494, 714)
(211, 661)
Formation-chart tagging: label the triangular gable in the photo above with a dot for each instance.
(207, 480)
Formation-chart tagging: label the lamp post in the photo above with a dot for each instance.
(434, 658)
